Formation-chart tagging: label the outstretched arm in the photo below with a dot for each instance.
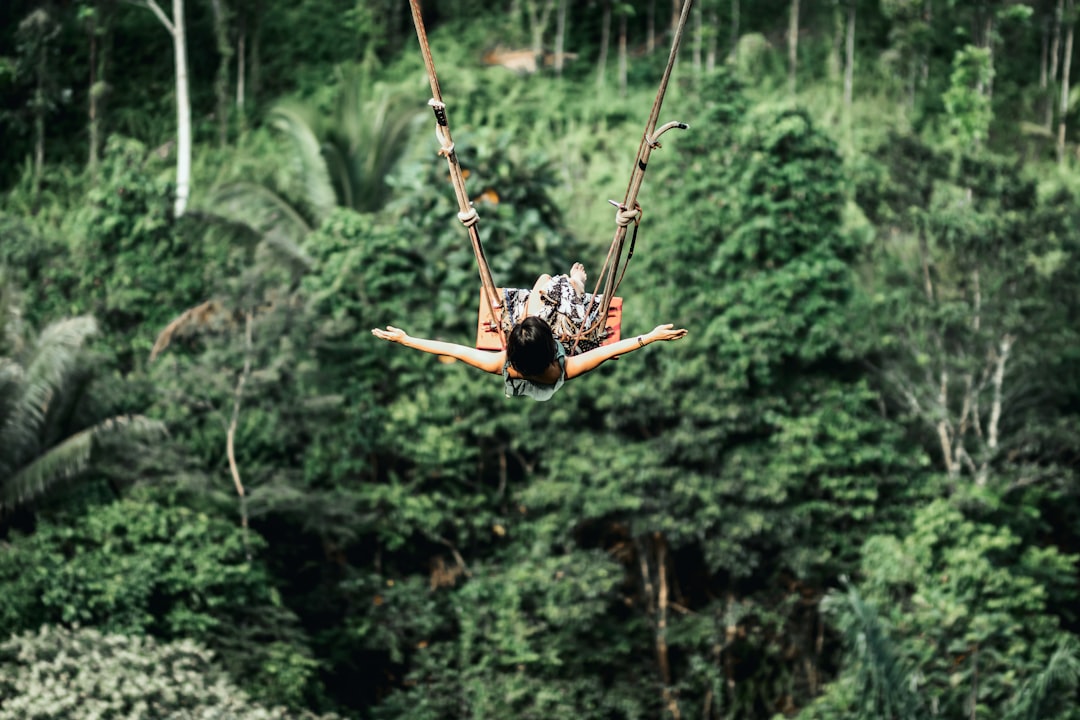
(583, 363)
(491, 362)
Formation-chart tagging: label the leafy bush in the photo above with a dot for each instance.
(137, 567)
(82, 674)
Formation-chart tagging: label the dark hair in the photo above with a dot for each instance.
(531, 346)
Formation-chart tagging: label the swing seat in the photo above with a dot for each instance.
(487, 335)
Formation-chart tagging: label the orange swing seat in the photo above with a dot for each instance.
(487, 334)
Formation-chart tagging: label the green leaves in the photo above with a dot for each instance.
(56, 673)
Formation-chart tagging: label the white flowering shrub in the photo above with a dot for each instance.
(82, 674)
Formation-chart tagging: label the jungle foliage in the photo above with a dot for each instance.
(850, 491)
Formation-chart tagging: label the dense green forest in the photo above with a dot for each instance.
(852, 491)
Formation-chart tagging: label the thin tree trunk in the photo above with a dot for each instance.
(605, 39)
(1065, 66)
(221, 82)
(650, 27)
(92, 111)
(699, 40)
(230, 434)
(793, 45)
(175, 26)
(254, 80)
(713, 40)
(241, 52)
(849, 59)
(835, 62)
(1055, 53)
(661, 627)
(560, 37)
(183, 111)
(538, 24)
(39, 127)
(734, 28)
(622, 54)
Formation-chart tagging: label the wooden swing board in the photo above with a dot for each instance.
(487, 337)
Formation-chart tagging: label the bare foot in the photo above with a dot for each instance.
(578, 277)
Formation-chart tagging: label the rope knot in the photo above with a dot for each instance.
(469, 218)
(624, 215)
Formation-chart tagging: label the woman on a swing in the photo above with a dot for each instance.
(534, 362)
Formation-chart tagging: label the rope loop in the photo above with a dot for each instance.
(470, 218)
(624, 215)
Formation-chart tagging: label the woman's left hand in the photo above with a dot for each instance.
(666, 332)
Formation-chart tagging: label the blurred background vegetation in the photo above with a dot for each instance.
(850, 492)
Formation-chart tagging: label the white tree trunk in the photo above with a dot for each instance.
(175, 26)
(183, 111)
(1065, 66)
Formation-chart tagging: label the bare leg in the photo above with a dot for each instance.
(578, 277)
(532, 307)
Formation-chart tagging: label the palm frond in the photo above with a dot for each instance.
(883, 679)
(71, 457)
(311, 168)
(1062, 671)
(54, 356)
(257, 207)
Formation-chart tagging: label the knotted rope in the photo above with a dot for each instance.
(629, 211)
(466, 212)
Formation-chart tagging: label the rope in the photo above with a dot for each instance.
(466, 212)
(629, 211)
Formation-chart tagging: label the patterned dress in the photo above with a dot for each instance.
(564, 309)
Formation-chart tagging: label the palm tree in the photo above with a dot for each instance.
(45, 435)
(342, 160)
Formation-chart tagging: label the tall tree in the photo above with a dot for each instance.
(222, 21)
(793, 45)
(97, 15)
(177, 30)
(1066, 63)
(605, 42)
(35, 37)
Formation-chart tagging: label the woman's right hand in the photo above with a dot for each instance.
(390, 334)
(666, 332)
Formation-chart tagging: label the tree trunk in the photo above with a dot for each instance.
(849, 58)
(714, 38)
(537, 25)
(560, 37)
(676, 11)
(39, 127)
(835, 61)
(734, 28)
(699, 40)
(605, 38)
(622, 53)
(183, 111)
(92, 111)
(793, 45)
(241, 52)
(254, 80)
(1055, 53)
(101, 40)
(1065, 66)
(221, 82)
(650, 27)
